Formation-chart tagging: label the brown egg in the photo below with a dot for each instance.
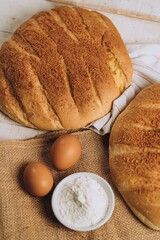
(38, 179)
(65, 151)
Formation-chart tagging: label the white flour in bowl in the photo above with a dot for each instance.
(83, 202)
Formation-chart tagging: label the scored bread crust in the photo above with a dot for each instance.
(134, 155)
(62, 69)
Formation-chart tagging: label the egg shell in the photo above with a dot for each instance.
(65, 151)
(38, 179)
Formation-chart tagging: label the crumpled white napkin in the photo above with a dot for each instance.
(146, 70)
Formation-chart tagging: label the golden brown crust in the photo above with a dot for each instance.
(135, 155)
(8, 102)
(64, 67)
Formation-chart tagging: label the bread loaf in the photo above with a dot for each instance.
(135, 155)
(62, 69)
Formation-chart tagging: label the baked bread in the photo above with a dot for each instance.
(135, 155)
(62, 69)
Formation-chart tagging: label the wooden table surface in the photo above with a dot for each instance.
(137, 21)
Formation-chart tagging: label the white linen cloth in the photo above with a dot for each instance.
(146, 70)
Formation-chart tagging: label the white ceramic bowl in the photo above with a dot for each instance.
(102, 182)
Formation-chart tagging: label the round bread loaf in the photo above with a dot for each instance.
(135, 155)
(62, 69)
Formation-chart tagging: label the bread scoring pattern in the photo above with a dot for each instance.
(135, 155)
(62, 69)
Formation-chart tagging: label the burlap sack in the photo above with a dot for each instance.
(23, 217)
